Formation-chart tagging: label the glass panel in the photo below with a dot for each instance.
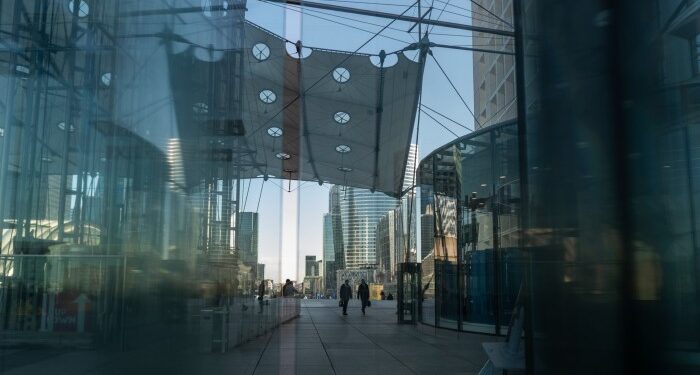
(446, 267)
(507, 221)
(476, 190)
(611, 227)
(426, 193)
(476, 232)
(697, 54)
(109, 241)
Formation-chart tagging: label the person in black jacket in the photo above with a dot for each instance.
(261, 295)
(363, 294)
(288, 289)
(345, 295)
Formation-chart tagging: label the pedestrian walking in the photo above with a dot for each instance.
(345, 295)
(288, 289)
(261, 294)
(363, 295)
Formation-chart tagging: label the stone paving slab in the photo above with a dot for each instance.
(370, 344)
(321, 341)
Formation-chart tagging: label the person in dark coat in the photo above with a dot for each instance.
(363, 294)
(261, 294)
(288, 289)
(345, 295)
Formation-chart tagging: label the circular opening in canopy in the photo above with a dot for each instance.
(200, 108)
(274, 132)
(62, 126)
(389, 61)
(261, 51)
(106, 79)
(210, 10)
(341, 75)
(267, 96)
(341, 117)
(343, 149)
(292, 51)
(83, 8)
(283, 156)
(22, 69)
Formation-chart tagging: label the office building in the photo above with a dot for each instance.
(409, 179)
(329, 265)
(494, 73)
(311, 266)
(334, 198)
(386, 247)
(260, 272)
(248, 239)
(359, 212)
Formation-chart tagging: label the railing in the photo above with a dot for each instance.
(223, 328)
(88, 301)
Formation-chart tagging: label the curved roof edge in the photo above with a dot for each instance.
(473, 134)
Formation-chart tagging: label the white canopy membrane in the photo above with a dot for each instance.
(208, 90)
(327, 116)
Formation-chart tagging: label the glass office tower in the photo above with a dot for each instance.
(359, 211)
(248, 248)
(329, 265)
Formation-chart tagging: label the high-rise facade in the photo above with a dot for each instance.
(328, 252)
(386, 246)
(409, 178)
(359, 211)
(311, 266)
(260, 273)
(494, 73)
(334, 198)
(407, 216)
(248, 239)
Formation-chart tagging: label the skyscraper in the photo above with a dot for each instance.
(359, 212)
(311, 267)
(260, 273)
(328, 252)
(409, 178)
(248, 239)
(494, 74)
(334, 198)
(386, 246)
(407, 217)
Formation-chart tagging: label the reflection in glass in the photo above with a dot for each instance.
(472, 267)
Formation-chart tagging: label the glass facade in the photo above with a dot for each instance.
(472, 270)
(611, 105)
(109, 240)
(359, 211)
(329, 265)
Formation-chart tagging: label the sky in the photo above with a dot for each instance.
(291, 223)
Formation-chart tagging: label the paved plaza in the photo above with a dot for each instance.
(323, 341)
(320, 341)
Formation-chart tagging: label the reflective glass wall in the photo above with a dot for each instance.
(470, 199)
(610, 109)
(106, 244)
